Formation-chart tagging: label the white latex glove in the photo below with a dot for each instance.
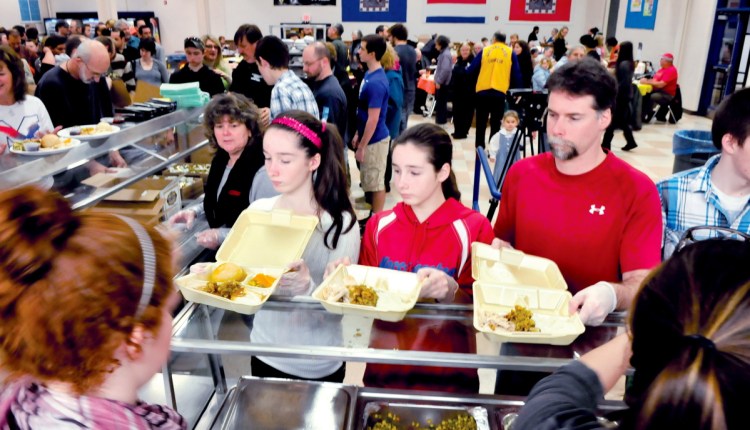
(594, 303)
(295, 282)
(208, 238)
(330, 267)
(436, 284)
(185, 216)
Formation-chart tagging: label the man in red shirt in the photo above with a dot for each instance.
(665, 88)
(593, 214)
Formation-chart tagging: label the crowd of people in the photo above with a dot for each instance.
(280, 143)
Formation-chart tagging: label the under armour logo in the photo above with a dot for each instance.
(596, 209)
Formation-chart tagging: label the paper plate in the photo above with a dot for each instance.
(77, 131)
(42, 151)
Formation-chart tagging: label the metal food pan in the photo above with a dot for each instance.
(281, 404)
(412, 415)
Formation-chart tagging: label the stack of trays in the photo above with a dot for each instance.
(186, 95)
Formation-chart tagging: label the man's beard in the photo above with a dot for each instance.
(82, 76)
(562, 149)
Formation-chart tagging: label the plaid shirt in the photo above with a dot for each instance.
(291, 93)
(688, 199)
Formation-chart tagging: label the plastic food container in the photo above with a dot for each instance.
(260, 242)
(400, 296)
(506, 278)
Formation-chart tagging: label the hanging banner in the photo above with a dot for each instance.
(456, 11)
(641, 14)
(539, 10)
(373, 10)
(304, 2)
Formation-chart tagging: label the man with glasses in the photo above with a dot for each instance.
(74, 92)
(316, 63)
(716, 194)
(196, 71)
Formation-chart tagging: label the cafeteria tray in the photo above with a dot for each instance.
(410, 415)
(281, 404)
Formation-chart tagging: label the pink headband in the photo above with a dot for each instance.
(299, 128)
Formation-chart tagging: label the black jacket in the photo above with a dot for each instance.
(235, 195)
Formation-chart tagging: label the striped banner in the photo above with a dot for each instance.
(456, 11)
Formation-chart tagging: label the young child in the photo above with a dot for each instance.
(499, 145)
(541, 74)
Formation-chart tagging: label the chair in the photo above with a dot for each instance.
(675, 107)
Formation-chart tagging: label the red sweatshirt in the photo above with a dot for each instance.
(396, 240)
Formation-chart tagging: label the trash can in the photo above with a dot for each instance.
(691, 148)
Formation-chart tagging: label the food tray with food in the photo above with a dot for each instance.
(521, 298)
(276, 404)
(229, 286)
(369, 291)
(47, 145)
(89, 132)
(249, 262)
(188, 169)
(408, 416)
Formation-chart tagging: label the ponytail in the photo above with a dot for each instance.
(330, 189)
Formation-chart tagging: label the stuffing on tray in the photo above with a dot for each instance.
(350, 291)
(391, 421)
(518, 319)
(229, 290)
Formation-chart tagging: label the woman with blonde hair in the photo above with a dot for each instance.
(559, 44)
(214, 60)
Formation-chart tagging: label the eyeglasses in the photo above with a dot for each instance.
(698, 233)
(212, 47)
(94, 74)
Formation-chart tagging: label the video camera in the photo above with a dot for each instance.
(531, 106)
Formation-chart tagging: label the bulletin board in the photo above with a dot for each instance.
(641, 14)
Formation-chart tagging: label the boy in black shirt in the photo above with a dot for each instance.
(196, 71)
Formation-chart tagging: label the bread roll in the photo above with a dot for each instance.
(228, 272)
(50, 141)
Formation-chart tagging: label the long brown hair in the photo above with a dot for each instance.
(329, 183)
(691, 340)
(438, 146)
(70, 285)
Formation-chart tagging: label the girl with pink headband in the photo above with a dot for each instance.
(304, 161)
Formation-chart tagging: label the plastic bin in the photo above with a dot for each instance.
(691, 148)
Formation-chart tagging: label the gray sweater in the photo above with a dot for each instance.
(304, 326)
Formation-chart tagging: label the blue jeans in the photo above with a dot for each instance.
(406, 109)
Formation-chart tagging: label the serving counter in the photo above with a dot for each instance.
(220, 335)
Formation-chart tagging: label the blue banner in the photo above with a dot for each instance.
(373, 10)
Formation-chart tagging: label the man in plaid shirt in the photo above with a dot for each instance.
(289, 92)
(717, 193)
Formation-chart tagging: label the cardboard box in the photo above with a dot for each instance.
(190, 188)
(148, 200)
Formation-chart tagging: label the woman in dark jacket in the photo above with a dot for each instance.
(523, 53)
(463, 85)
(621, 116)
(231, 125)
(559, 44)
(442, 79)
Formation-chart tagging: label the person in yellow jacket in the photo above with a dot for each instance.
(498, 71)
